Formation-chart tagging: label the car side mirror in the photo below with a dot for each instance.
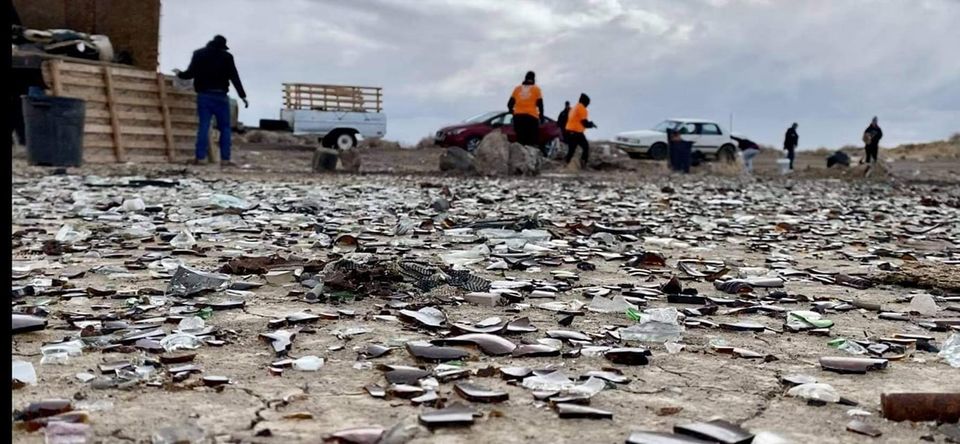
(496, 124)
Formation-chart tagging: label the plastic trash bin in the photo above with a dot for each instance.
(784, 166)
(54, 130)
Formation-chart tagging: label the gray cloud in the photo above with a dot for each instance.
(828, 64)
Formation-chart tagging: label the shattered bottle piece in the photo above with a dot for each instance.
(133, 205)
(816, 392)
(59, 354)
(184, 240)
(23, 373)
(848, 346)
(617, 304)
(191, 324)
(184, 433)
(229, 202)
(43, 409)
(60, 432)
(655, 325)
(950, 352)
(308, 363)
(180, 341)
(923, 304)
(26, 323)
(187, 282)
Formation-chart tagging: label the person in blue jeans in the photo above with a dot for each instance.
(681, 152)
(212, 69)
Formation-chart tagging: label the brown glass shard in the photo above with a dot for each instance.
(842, 364)
(568, 335)
(376, 391)
(858, 426)
(570, 410)
(920, 406)
(535, 350)
(358, 435)
(280, 340)
(405, 375)
(213, 381)
(628, 356)
(717, 431)
(404, 391)
(515, 372)
(26, 323)
(662, 438)
(43, 409)
(743, 326)
(455, 415)
(521, 325)
(428, 398)
(177, 358)
(672, 286)
(427, 317)
(477, 393)
(490, 344)
(429, 352)
(490, 329)
(852, 281)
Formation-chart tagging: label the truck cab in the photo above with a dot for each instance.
(336, 114)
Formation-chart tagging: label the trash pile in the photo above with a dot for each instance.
(382, 309)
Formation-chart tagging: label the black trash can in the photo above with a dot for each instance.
(54, 130)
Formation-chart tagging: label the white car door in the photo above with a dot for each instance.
(688, 132)
(710, 138)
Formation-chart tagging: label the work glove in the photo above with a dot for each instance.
(246, 104)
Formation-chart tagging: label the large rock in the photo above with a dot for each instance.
(350, 160)
(324, 159)
(607, 157)
(492, 155)
(456, 159)
(524, 160)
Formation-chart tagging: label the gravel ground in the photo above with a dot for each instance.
(755, 226)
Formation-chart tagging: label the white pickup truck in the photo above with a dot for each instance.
(706, 135)
(335, 114)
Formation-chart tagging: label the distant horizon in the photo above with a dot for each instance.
(830, 66)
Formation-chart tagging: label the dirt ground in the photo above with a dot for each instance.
(813, 219)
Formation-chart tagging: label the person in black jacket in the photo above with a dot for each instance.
(681, 152)
(871, 140)
(212, 70)
(562, 120)
(790, 142)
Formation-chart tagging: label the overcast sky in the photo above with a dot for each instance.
(830, 65)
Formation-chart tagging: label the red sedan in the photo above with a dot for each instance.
(468, 134)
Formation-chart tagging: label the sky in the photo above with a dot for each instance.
(829, 65)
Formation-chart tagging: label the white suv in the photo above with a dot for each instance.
(707, 138)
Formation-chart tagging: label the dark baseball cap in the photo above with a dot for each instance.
(220, 41)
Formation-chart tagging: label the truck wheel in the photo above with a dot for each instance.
(658, 151)
(345, 141)
(472, 144)
(727, 153)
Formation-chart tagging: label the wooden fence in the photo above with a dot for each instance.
(132, 115)
(332, 97)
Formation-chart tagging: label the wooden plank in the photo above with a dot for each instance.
(122, 87)
(118, 149)
(115, 70)
(165, 111)
(55, 75)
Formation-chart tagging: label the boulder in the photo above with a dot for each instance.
(350, 160)
(607, 157)
(524, 160)
(492, 155)
(324, 159)
(456, 159)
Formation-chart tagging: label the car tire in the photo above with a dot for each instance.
(727, 153)
(472, 144)
(659, 151)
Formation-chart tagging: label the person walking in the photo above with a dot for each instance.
(526, 106)
(212, 69)
(562, 122)
(681, 152)
(871, 140)
(577, 124)
(749, 149)
(790, 142)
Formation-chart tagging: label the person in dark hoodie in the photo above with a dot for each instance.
(212, 69)
(681, 152)
(526, 105)
(871, 140)
(576, 126)
(790, 142)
